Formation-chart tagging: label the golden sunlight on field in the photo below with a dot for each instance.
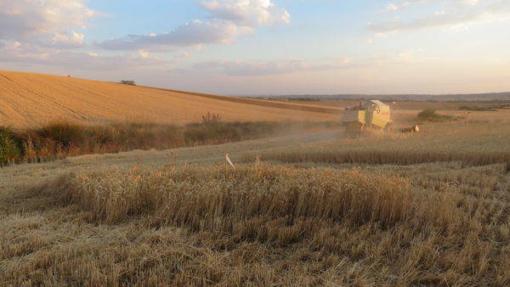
(28, 100)
(304, 206)
(303, 202)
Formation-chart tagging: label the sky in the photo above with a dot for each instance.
(266, 47)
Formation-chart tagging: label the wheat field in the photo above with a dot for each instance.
(307, 206)
(28, 100)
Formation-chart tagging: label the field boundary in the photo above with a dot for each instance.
(263, 103)
(375, 157)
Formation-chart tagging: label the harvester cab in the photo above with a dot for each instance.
(372, 114)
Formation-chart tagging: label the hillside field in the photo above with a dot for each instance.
(33, 100)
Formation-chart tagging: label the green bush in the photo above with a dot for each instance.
(478, 108)
(63, 134)
(213, 132)
(9, 147)
(210, 118)
(430, 115)
(61, 139)
(219, 132)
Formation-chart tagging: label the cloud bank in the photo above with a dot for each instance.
(228, 19)
(448, 13)
(50, 22)
(270, 68)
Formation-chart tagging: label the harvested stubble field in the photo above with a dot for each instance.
(262, 225)
(316, 209)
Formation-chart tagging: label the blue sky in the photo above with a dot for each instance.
(254, 47)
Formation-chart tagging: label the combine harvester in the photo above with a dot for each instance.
(371, 114)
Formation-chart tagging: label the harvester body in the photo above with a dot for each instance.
(372, 114)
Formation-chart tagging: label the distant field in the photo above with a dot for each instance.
(406, 105)
(28, 100)
(404, 112)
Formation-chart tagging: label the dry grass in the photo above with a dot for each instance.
(32, 100)
(375, 157)
(263, 225)
(213, 199)
(180, 218)
(62, 139)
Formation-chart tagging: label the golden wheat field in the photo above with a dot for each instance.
(309, 207)
(28, 100)
(254, 143)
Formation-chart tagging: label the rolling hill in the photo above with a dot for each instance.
(28, 100)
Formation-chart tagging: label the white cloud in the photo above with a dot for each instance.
(452, 13)
(144, 54)
(193, 33)
(33, 55)
(392, 7)
(471, 2)
(276, 67)
(42, 32)
(11, 46)
(248, 12)
(73, 39)
(44, 21)
(228, 20)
